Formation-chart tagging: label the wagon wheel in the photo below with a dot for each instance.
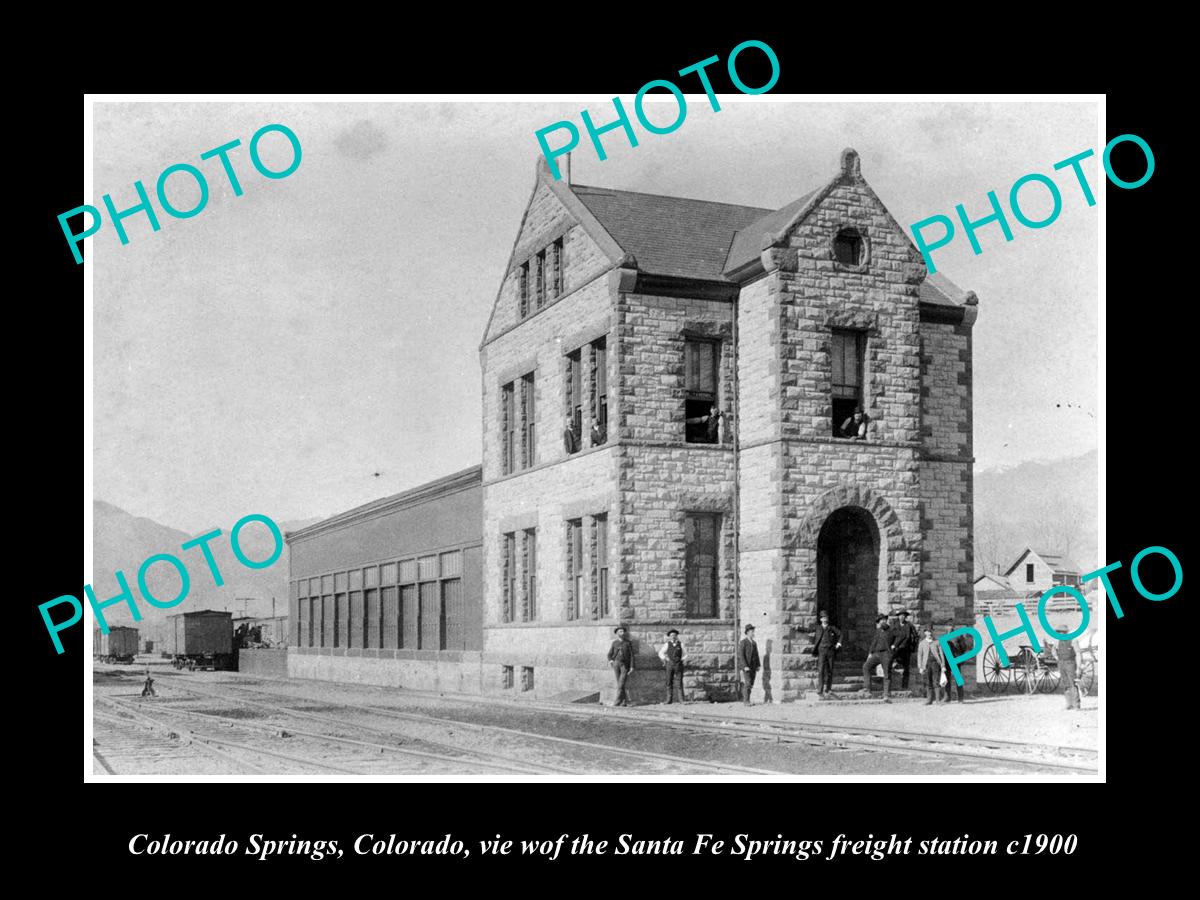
(1047, 680)
(995, 676)
(1022, 669)
(1087, 677)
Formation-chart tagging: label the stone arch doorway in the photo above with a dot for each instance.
(848, 575)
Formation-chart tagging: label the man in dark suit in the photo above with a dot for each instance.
(904, 639)
(879, 654)
(620, 657)
(673, 656)
(959, 646)
(827, 641)
(748, 663)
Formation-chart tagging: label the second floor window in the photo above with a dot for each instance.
(599, 392)
(508, 429)
(701, 412)
(1029, 573)
(529, 421)
(846, 356)
(575, 400)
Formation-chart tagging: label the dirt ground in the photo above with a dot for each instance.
(1036, 719)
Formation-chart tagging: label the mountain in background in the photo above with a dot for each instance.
(1052, 506)
(122, 541)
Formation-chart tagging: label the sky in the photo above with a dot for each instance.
(313, 344)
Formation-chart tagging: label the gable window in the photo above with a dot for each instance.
(700, 533)
(523, 290)
(556, 268)
(1029, 573)
(846, 354)
(701, 358)
(539, 286)
(848, 247)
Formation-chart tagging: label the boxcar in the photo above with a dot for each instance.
(120, 645)
(202, 639)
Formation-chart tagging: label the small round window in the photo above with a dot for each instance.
(849, 248)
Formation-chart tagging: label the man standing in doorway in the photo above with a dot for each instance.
(879, 654)
(748, 663)
(827, 640)
(673, 656)
(620, 657)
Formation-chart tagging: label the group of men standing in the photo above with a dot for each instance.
(892, 645)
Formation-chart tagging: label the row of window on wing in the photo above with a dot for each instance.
(412, 604)
(540, 278)
(701, 532)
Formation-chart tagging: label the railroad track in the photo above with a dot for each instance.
(443, 722)
(817, 734)
(281, 731)
(120, 748)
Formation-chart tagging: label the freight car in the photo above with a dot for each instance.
(120, 645)
(201, 640)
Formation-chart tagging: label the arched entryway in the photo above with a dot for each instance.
(848, 575)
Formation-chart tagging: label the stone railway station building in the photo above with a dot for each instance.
(666, 384)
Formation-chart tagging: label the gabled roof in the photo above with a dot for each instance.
(669, 235)
(992, 582)
(702, 239)
(1056, 561)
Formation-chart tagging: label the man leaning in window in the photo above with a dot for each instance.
(855, 426)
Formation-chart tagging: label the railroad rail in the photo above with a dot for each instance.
(820, 734)
(443, 721)
(276, 731)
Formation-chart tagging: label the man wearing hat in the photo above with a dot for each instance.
(827, 640)
(620, 657)
(879, 654)
(673, 656)
(930, 663)
(904, 639)
(748, 663)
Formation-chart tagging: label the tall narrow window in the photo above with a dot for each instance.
(575, 400)
(575, 567)
(508, 428)
(531, 575)
(556, 268)
(600, 561)
(410, 617)
(846, 355)
(523, 290)
(529, 416)
(700, 533)
(510, 577)
(600, 391)
(431, 615)
(539, 270)
(700, 391)
(1029, 573)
